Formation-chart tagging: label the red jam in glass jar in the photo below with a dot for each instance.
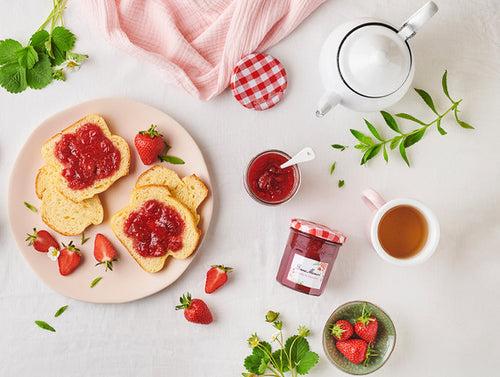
(309, 256)
(269, 184)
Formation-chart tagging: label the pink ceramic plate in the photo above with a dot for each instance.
(127, 281)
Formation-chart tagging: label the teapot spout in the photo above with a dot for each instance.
(329, 100)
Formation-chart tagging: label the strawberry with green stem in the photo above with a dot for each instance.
(342, 330)
(195, 310)
(366, 326)
(149, 145)
(216, 277)
(104, 253)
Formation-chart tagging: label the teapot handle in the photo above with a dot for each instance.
(417, 20)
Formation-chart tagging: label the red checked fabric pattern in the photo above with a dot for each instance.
(258, 81)
(318, 230)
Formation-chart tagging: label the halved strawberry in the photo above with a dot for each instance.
(104, 253)
(69, 258)
(216, 277)
(41, 240)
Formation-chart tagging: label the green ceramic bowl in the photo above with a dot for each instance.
(383, 344)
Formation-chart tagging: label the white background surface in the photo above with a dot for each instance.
(444, 310)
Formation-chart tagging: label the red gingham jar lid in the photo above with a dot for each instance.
(258, 81)
(318, 230)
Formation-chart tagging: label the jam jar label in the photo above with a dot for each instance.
(307, 272)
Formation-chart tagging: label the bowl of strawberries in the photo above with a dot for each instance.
(359, 337)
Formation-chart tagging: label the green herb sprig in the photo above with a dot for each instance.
(293, 355)
(46, 57)
(370, 147)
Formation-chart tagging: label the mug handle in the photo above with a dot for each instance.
(372, 199)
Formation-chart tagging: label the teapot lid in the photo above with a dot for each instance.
(374, 60)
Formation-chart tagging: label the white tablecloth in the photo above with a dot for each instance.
(444, 310)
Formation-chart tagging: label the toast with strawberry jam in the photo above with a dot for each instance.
(190, 190)
(60, 213)
(154, 226)
(87, 158)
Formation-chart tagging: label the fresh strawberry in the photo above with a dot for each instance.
(366, 326)
(104, 252)
(357, 351)
(69, 258)
(41, 240)
(195, 310)
(149, 144)
(342, 330)
(216, 277)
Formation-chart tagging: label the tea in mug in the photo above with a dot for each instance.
(402, 231)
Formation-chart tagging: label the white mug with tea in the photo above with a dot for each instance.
(402, 231)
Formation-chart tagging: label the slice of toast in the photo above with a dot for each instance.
(140, 196)
(100, 185)
(190, 190)
(60, 213)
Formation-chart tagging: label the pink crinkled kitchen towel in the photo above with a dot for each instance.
(197, 43)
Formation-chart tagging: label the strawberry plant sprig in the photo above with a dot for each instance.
(46, 57)
(403, 141)
(293, 355)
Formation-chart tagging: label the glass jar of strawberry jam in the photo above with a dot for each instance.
(269, 184)
(309, 256)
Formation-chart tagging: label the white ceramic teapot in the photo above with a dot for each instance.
(367, 64)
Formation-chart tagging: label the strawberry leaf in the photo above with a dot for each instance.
(252, 363)
(38, 40)
(40, 75)
(307, 362)
(13, 77)
(63, 39)
(27, 57)
(8, 50)
(257, 351)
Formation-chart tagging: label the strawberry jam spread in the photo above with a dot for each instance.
(155, 229)
(87, 155)
(268, 181)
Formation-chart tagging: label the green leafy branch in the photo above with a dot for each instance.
(370, 147)
(46, 57)
(293, 355)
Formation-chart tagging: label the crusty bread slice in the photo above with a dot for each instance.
(60, 213)
(99, 186)
(190, 190)
(140, 196)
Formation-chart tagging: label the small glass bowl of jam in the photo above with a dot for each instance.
(309, 256)
(269, 184)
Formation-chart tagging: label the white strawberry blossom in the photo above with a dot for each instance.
(53, 253)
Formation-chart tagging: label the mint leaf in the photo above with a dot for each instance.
(462, 124)
(441, 130)
(45, 326)
(391, 122)
(61, 310)
(386, 157)
(373, 130)
(427, 99)
(360, 146)
(370, 153)
(30, 207)
(410, 117)
(338, 146)
(403, 153)
(38, 40)
(307, 362)
(341, 183)
(444, 84)
(333, 167)
(63, 39)
(95, 281)
(8, 50)
(41, 74)
(395, 142)
(252, 364)
(367, 140)
(27, 57)
(13, 77)
(171, 159)
(414, 137)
